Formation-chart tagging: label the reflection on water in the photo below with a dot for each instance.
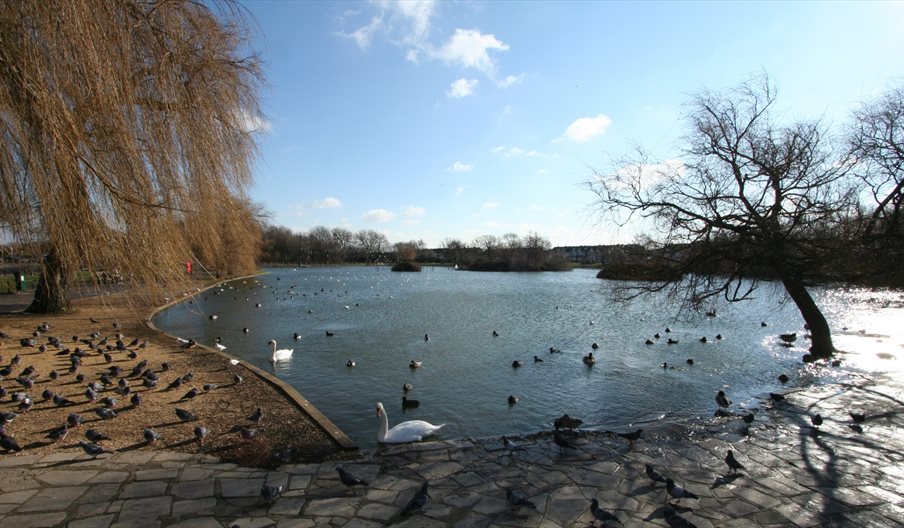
(380, 320)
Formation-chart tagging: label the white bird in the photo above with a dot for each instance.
(220, 346)
(284, 353)
(410, 431)
(233, 362)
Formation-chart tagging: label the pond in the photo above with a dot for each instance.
(446, 319)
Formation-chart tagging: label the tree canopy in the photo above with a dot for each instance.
(127, 138)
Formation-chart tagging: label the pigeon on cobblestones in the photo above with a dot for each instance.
(733, 464)
(91, 449)
(185, 416)
(95, 436)
(9, 443)
(677, 492)
(654, 475)
(676, 521)
(270, 492)
(151, 436)
(418, 501)
(348, 479)
(200, 433)
(517, 499)
(602, 515)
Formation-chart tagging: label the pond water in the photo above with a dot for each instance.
(379, 320)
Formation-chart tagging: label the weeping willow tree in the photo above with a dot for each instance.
(127, 139)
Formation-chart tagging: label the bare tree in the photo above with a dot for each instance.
(454, 248)
(749, 199)
(343, 239)
(127, 139)
(372, 243)
(877, 145)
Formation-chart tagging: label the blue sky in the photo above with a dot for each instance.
(433, 120)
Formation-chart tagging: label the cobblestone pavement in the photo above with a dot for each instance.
(796, 475)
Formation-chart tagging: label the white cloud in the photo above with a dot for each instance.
(514, 151)
(468, 48)
(251, 122)
(364, 34)
(460, 189)
(460, 167)
(417, 13)
(412, 211)
(462, 88)
(497, 150)
(412, 56)
(328, 203)
(586, 128)
(378, 215)
(510, 80)
(490, 205)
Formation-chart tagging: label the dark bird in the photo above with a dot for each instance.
(237, 379)
(567, 422)
(594, 346)
(73, 420)
(672, 341)
(512, 399)
(135, 400)
(858, 417)
(95, 436)
(257, 415)
(185, 416)
(91, 449)
(518, 499)
(151, 436)
(191, 394)
(763, 324)
(654, 475)
(409, 404)
(247, 434)
(690, 361)
(675, 520)
(703, 339)
(783, 378)
(175, 384)
(722, 400)
(108, 402)
(600, 514)
(329, 334)
(561, 441)
(649, 341)
(58, 433)
(9, 443)
(857, 428)
(418, 501)
(200, 433)
(407, 387)
(677, 492)
(748, 418)
(816, 420)
(537, 360)
(788, 338)
(495, 334)
(733, 464)
(209, 387)
(105, 412)
(270, 492)
(348, 479)
(516, 364)
(776, 397)
(61, 401)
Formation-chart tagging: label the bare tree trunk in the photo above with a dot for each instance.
(50, 294)
(821, 346)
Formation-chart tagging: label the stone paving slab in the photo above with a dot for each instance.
(795, 476)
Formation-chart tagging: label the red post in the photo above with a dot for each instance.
(188, 267)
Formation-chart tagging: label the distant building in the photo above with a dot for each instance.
(580, 254)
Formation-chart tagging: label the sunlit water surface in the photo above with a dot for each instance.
(379, 320)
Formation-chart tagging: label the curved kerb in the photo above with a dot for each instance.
(287, 390)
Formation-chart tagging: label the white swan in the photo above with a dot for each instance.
(410, 431)
(284, 353)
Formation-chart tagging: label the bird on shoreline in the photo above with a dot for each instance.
(348, 479)
(600, 514)
(654, 475)
(677, 492)
(418, 501)
(270, 492)
(722, 400)
(281, 354)
(732, 462)
(517, 499)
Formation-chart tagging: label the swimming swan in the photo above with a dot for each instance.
(284, 353)
(410, 431)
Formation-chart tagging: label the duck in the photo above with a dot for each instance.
(409, 404)
(405, 432)
(512, 399)
(284, 353)
(537, 360)
(589, 359)
(649, 342)
(516, 364)
(415, 364)
(788, 338)
(703, 339)
(329, 334)
(296, 336)
(350, 363)
(495, 334)
(594, 346)
(407, 387)
(672, 341)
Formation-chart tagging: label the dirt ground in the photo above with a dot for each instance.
(93, 327)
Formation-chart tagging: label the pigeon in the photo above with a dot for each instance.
(73, 420)
(600, 514)
(209, 387)
(631, 437)
(247, 434)
(257, 415)
(677, 492)
(733, 464)
(816, 420)
(151, 436)
(776, 397)
(105, 413)
(270, 492)
(135, 400)
(95, 436)
(200, 432)
(175, 384)
(676, 521)
(9, 443)
(562, 442)
(58, 433)
(91, 449)
(6, 417)
(191, 394)
(348, 479)
(418, 501)
(722, 400)
(858, 417)
(185, 416)
(654, 475)
(237, 379)
(517, 499)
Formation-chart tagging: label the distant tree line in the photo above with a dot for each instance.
(324, 246)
